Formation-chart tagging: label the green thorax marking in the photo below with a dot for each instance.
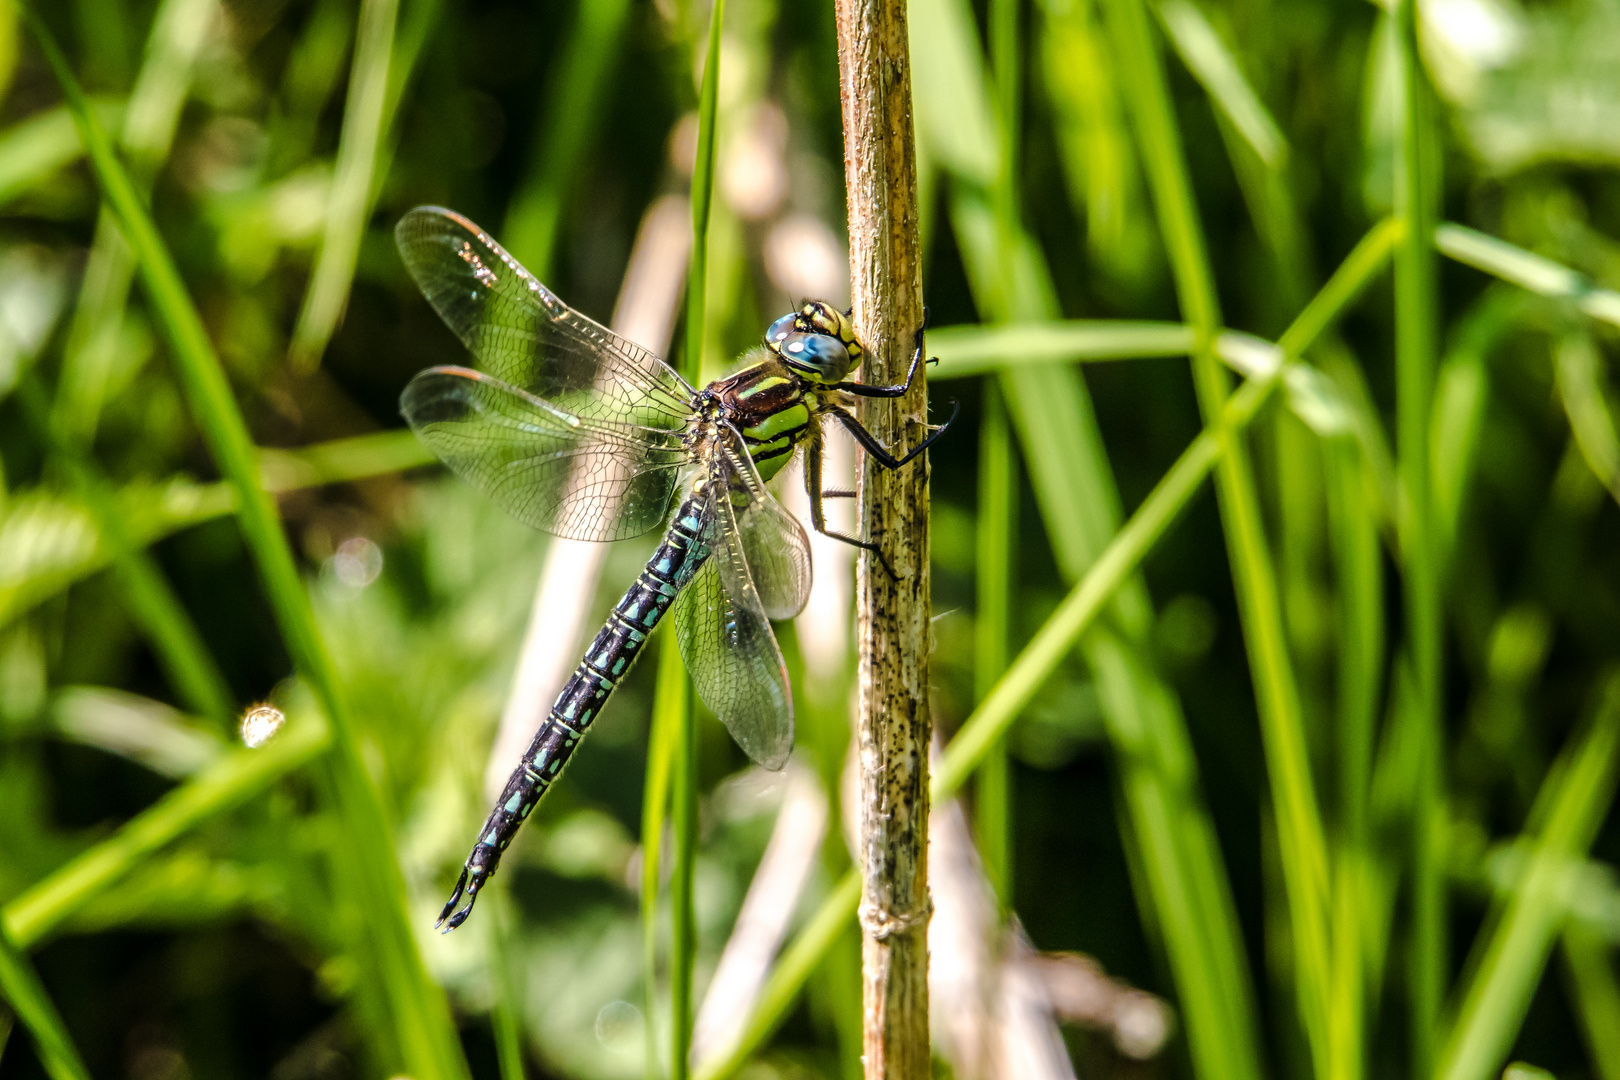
(771, 406)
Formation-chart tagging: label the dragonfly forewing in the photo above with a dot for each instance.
(524, 335)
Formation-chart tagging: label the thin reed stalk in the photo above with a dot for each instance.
(893, 633)
(684, 809)
(997, 529)
(1574, 799)
(506, 1012)
(1416, 319)
(675, 720)
(364, 129)
(998, 480)
(573, 102)
(664, 748)
(20, 986)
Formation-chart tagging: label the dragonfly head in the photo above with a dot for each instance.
(817, 341)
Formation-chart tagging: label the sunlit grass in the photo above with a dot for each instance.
(1407, 745)
(424, 1035)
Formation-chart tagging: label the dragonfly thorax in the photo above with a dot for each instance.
(770, 404)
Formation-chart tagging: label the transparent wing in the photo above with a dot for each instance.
(571, 476)
(728, 647)
(774, 545)
(522, 334)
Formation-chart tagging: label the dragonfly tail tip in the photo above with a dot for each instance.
(455, 918)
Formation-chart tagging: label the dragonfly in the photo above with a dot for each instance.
(578, 432)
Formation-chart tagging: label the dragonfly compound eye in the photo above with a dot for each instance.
(781, 328)
(818, 356)
(826, 319)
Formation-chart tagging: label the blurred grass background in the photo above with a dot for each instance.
(1316, 761)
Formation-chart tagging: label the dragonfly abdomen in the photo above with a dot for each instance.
(607, 661)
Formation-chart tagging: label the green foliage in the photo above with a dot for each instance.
(1326, 760)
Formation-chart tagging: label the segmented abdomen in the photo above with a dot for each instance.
(606, 662)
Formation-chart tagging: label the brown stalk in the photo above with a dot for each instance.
(880, 174)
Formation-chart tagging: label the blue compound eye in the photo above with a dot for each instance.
(780, 329)
(816, 355)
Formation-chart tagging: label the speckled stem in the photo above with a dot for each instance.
(880, 172)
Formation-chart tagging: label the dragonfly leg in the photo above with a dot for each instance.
(837, 493)
(818, 519)
(900, 389)
(876, 449)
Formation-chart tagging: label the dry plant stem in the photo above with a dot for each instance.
(880, 175)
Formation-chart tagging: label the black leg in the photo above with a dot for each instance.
(818, 520)
(875, 448)
(864, 390)
(837, 493)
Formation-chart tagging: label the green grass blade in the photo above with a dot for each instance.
(314, 66)
(1354, 515)
(1217, 71)
(180, 29)
(572, 105)
(416, 27)
(1574, 799)
(965, 351)
(1581, 389)
(1079, 503)
(1099, 160)
(1461, 398)
(789, 975)
(506, 1012)
(180, 503)
(1539, 275)
(229, 782)
(683, 808)
(1366, 259)
(663, 748)
(186, 660)
(703, 197)
(423, 1034)
(8, 70)
(349, 203)
(21, 988)
(978, 350)
(1588, 959)
(1358, 559)
(155, 511)
(998, 482)
(673, 681)
(1416, 321)
(1298, 817)
(342, 460)
(997, 532)
(35, 149)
